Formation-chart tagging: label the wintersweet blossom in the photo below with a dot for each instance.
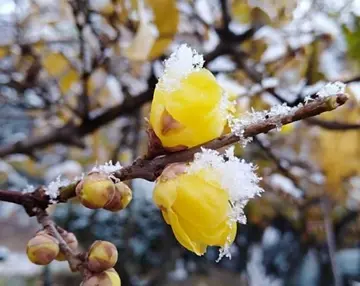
(204, 201)
(188, 105)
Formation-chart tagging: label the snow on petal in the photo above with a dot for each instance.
(237, 177)
(180, 64)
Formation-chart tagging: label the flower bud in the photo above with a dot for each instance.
(102, 255)
(71, 241)
(95, 190)
(121, 199)
(42, 249)
(106, 278)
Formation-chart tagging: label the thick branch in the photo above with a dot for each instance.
(150, 169)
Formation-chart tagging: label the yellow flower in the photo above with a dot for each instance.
(190, 114)
(196, 207)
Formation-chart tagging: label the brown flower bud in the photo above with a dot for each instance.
(172, 171)
(42, 249)
(95, 190)
(71, 241)
(106, 278)
(121, 199)
(102, 255)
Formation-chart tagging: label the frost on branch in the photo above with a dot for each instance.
(238, 125)
(52, 190)
(180, 64)
(329, 89)
(107, 168)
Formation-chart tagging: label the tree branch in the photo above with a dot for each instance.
(75, 263)
(69, 131)
(333, 125)
(330, 239)
(150, 169)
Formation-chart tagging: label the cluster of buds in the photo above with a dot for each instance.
(97, 190)
(44, 248)
(101, 258)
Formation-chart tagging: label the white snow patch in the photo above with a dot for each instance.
(181, 63)
(270, 82)
(331, 89)
(70, 169)
(222, 63)
(256, 272)
(236, 176)
(107, 168)
(28, 189)
(52, 190)
(285, 184)
(230, 85)
(354, 88)
(271, 236)
(238, 125)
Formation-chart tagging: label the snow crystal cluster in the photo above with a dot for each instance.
(238, 125)
(330, 89)
(52, 190)
(236, 176)
(179, 65)
(108, 167)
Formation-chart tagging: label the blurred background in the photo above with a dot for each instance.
(76, 79)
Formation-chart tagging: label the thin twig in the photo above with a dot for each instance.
(75, 263)
(333, 125)
(330, 239)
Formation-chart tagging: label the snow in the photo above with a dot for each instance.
(108, 167)
(271, 236)
(52, 190)
(28, 189)
(70, 169)
(270, 82)
(285, 184)
(331, 89)
(230, 85)
(181, 63)
(222, 63)
(256, 272)
(238, 125)
(354, 89)
(236, 176)
(203, 9)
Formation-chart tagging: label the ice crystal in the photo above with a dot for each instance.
(180, 64)
(108, 167)
(236, 176)
(52, 190)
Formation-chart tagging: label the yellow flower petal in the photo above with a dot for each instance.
(214, 236)
(165, 193)
(182, 237)
(198, 96)
(200, 202)
(195, 107)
